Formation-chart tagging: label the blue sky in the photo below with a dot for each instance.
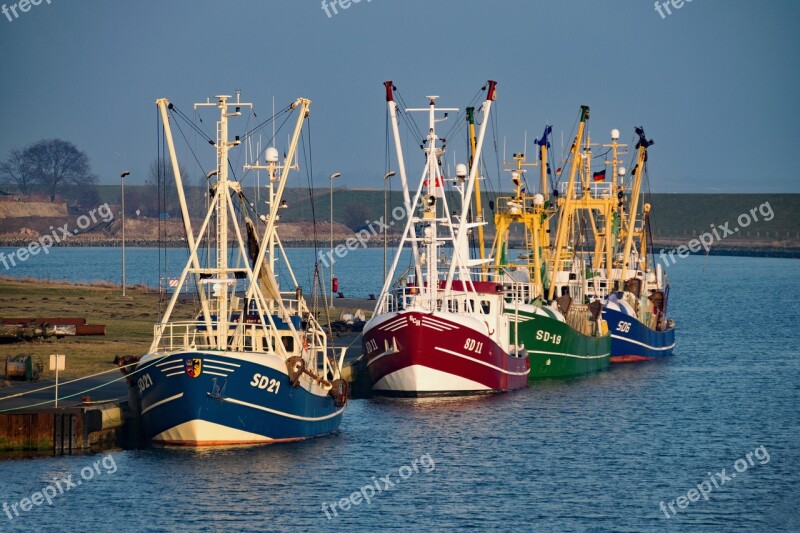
(714, 83)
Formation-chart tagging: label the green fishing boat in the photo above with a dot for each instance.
(562, 335)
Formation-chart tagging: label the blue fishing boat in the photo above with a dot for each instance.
(635, 306)
(632, 340)
(608, 265)
(252, 365)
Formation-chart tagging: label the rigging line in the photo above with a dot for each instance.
(268, 143)
(180, 114)
(460, 119)
(317, 280)
(408, 117)
(566, 153)
(267, 122)
(107, 383)
(165, 208)
(190, 147)
(603, 154)
(249, 118)
(307, 156)
(494, 127)
(649, 218)
(63, 383)
(551, 179)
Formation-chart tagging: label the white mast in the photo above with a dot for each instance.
(461, 233)
(401, 166)
(221, 208)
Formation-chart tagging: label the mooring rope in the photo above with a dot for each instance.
(145, 367)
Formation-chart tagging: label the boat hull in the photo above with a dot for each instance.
(411, 353)
(632, 341)
(228, 399)
(558, 351)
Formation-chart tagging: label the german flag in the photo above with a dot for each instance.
(599, 175)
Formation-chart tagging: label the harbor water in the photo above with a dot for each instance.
(711, 433)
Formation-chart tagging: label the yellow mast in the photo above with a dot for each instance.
(526, 210)
(478, 207)
(638, 170)
(565, 214)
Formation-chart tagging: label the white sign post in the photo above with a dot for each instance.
(57, 362)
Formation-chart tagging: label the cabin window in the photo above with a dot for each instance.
(452, 306)
(486, 305)
(469, 306)
(264, 344)
(288, 343)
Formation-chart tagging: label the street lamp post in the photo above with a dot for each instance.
(385, 218)
(331, 178)
(124, 281)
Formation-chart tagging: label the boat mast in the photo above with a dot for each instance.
(303, 104)
(461, 234)
(544, 145)
(221, 208)
(638, 170)
(163, 104)
(401, 166)
(478, 204)
(565, 215)
(617, 173)
(520, 209)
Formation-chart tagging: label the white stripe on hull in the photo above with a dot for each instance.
(200, 432)
(461, 355)
(540, 352)
(625, 339)
(161, 402)
(418, 378)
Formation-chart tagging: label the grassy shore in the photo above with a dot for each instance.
(129, 322)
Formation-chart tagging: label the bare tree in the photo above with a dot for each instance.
(18, 169)
(57, 163)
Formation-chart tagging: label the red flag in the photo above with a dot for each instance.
(438, 189)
